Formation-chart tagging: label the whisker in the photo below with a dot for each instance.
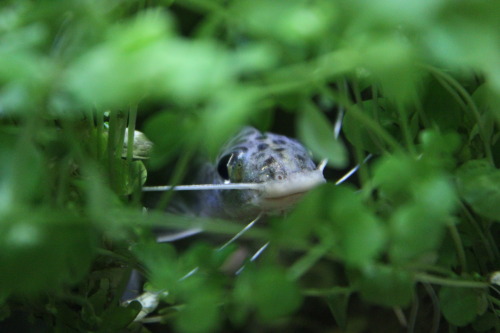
(352, 171)
(255, 256)
(322, 164)
(171, 237)
(259, 252)
(193, 271)
(338, 123)
(204, 187)
(242, 231)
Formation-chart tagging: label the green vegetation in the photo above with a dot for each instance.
(414, 236)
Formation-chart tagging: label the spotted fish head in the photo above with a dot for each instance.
(280, 164)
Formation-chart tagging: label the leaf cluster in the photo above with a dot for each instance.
(416, 84)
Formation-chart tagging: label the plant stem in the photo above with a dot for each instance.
(425, 278)
(458, 246)
(179, 172)
(477, 227)
(327, 292)
(302, 265)
(403, 121)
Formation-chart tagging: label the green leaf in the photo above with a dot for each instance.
(414, 232)
(459, 305)
(228, 112)
(479, 185)
(293, 22)
(160, 261)
(40, 251)
(338, 307)
(360, 234)
(170, 132)
(385, 285)
(444, 112)
(117, 318)
(394, 174)
(391, 62)
(486, 323)
(311, 211)
(269, 291)
(363, 138)
(201, 313)
(317, 134)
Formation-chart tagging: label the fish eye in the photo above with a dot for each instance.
(222, 166)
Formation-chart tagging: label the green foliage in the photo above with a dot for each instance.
(386, 286)
(459, 306)
(316, 132)
(478, 184)
(417, 82)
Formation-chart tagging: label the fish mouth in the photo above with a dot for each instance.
(281, 195)
(285, 197)
(281, 203)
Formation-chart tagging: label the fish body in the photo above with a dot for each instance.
(281, 166)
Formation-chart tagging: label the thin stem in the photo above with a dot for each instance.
(133, 171)
(425, 278)
(327, 292)
(357, 93)
(404, 122)
(413, 315)
(493, 245)
(436, 318)
(479, 231)
(179, 172)
(493, 300)
(458, 246)
(358, 152)
(420, 111)
(132, 116)
(302, 265)
(99, 133)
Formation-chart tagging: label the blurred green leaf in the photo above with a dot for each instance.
(439, 145)
(317, 134)
(465, 34)
(202, 312)
(444, 112)
(169, 132)
(338, 306)
(44, 250)
(293, 22)
(390, 60)
(304, 219)
(228, 112)
(360, 136)
(485, 323)
(414, 233)
(478, 183)
(459, 305)
(360, 234)
(118, 317)
(386, 286)
(269, 291)
(161, 267)
(424, 73)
